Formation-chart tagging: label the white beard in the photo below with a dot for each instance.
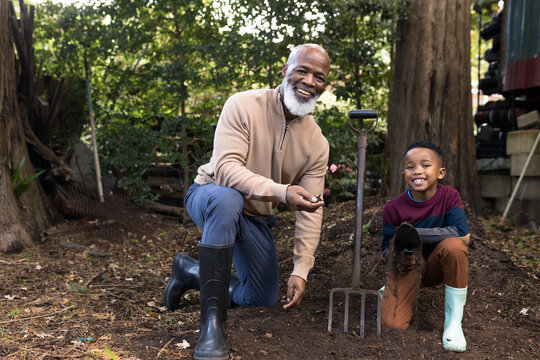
(295, 106)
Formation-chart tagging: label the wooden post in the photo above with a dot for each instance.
(93, 130)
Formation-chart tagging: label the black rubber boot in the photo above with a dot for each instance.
(233, 284)
(214, 271)
(186, 277)
(406, 254)
(406, 239)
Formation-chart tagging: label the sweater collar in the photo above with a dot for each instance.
(420, 203)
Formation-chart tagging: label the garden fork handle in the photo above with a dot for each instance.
(360, 174)
(363, 114)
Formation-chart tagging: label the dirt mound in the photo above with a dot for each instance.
(70, 302)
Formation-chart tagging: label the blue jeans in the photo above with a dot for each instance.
(217, 210)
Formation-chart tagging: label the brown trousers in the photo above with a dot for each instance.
(448, 263)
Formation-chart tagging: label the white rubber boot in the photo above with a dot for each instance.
(454, 301)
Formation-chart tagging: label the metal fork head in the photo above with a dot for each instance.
(363, 293)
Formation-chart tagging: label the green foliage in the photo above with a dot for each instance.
(14, 313)
(340, 183)
(78, 288)
(344, 153)
(366, 226)
(130, 147)
(4, 333)
(357, 38)
(161, 71)
(20, 185)
(110, 353)
(272, 27)
(128, 151)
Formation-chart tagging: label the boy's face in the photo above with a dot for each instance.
(423, 170)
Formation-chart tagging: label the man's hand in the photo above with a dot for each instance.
(296, 288)
(300, 199)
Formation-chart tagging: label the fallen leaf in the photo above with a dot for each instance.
(525, 310)
(183, 345)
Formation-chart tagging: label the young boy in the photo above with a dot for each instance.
(429, 220)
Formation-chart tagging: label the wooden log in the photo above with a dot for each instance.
(166, 209)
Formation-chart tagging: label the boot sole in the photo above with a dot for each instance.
(199, 357)
(406, 237)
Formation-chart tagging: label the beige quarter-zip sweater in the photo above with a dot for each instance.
(257, 153)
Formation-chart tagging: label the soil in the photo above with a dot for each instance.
(74, 295)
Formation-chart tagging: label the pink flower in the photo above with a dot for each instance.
(333, 168)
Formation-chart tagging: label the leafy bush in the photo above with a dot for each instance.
(127, 152)
(340, 184)
(130, 146)
(20, 185)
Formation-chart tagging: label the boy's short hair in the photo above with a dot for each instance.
(427, 145)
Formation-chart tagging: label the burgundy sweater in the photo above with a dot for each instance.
(435, 219)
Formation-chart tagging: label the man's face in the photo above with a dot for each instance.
(304, 80)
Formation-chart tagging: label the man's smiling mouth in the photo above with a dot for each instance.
(304, 92)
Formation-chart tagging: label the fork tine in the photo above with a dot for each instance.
(363, 293)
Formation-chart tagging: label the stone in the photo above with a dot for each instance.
(529, 189)
(528, 120)
(518, 161)
(521, 141)
(82, 163)
(490, 164)
(495, 186)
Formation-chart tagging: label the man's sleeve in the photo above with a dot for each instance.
(308, 225)
(231, 144)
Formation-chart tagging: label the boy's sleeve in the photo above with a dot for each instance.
(456, 221)
(436, 234)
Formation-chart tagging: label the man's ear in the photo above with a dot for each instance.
(441, 174)
(284, 70)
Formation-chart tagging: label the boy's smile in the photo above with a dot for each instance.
(423, 170)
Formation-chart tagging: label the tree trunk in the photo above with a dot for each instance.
(23, 218)
(431, 92)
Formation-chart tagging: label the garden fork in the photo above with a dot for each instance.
(355, 288)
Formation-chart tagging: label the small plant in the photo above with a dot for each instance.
(20, 185)
(3, 333)
(78, 288)
(12, 313)
(110, 353)
(366, 226)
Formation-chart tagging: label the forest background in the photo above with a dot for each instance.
(160, 71)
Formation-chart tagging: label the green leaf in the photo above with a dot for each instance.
(17, 175)
(21, 186)
(366, 226)
(110, 353)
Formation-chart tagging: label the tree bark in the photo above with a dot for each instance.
(431, 93)
(21, 219)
